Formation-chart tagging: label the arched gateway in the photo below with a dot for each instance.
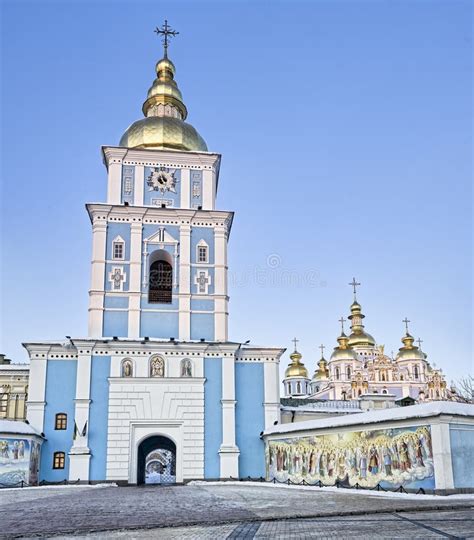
(156, 461)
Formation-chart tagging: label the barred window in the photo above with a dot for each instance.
(118, 251)
(202, 254)
(59, 459)
(3, 403)
(61, 421)
(160, 290)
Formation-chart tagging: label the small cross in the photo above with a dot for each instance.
(166, 31)
(419, 341)
(322, 347)
(342, 321)
(354, 284)
(295, 341)
(406, 321)
(202, 281)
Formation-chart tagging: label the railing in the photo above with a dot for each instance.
(22, 484)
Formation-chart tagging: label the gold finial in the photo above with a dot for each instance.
(342, 321)
(354, 284)
(406, 321)
(166, 31)
(295, 341)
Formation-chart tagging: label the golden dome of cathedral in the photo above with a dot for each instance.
(343, 351)
(359, 337)
(165, 112)
(409, 351)
(296, 368)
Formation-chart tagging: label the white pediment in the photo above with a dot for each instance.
(161, 236)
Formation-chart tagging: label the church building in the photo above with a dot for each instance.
(156, 392)
(358, 367)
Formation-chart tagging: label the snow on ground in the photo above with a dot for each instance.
(342, 491)
(61, 486)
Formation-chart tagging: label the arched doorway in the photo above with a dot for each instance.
(156, 461)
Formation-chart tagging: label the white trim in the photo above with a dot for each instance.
(118, 240)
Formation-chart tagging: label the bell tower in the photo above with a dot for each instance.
(159, 246)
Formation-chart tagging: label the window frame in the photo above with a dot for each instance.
(59, 460)
(202, 244)
(118, 241)
(60, 421)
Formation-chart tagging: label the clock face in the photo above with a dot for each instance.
(161, 180)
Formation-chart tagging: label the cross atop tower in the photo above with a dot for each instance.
(419, 341)
(406, 321)
(295, 341)
(342, 321)
(322, 347)
(354, 284)
(166, 31)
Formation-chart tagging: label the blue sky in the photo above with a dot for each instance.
(345, 130)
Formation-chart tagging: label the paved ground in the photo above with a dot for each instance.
(225, 511)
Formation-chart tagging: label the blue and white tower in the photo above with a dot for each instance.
(156, 392)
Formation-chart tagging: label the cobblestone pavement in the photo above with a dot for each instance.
(423, 525)
(221, 512)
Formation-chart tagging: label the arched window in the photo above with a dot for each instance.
(59, 459)
(337, 373)
(348, 372)
(161, 283)
(298, 388)
(157, 367)
(384, 391)
(127, 368)
(401, 377)
(186, 368)
(383, 376)
(416, 372)
(118, 249)
(359, 392)
(60, 421)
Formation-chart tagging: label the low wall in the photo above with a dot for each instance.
(428, 446)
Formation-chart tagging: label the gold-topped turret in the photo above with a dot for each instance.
(163, 126)
(296, 368)
(358, 335)
(322, 372)
(409, 351)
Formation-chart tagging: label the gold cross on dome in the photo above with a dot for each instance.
(295, 341)
(406, 321)
(322, 347)
(419, 341)
(165, 31)
(354, 284)
(342, 321)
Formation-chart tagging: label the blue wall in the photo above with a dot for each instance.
(98, 416)
(114, 230)
(462, 455)
(212, 416)
(202, 326)
(250, 418)
(159, 325)
(115, 324)
(60, 395)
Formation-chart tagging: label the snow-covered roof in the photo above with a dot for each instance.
(14, 367)
(15, 427)
(424, 410)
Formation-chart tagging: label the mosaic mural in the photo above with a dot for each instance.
(19, 461)
(390, 457)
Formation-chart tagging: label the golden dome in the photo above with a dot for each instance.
(165, 112)
(163, 132)
(359, 337)
(343, 351)
(409, 351)
(296, 368)
(322, 372)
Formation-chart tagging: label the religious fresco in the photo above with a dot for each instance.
(19, 461)
(391, 457)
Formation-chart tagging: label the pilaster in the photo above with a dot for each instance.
(442, 463)
(80, 453)
(37, 392)
(114, 185)
(220, 283)
(139, 185)
(185, 188)
(207, 190)
(185, 282)
(271, 393)
(96, 293)
(228, 452)
(135, 279)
